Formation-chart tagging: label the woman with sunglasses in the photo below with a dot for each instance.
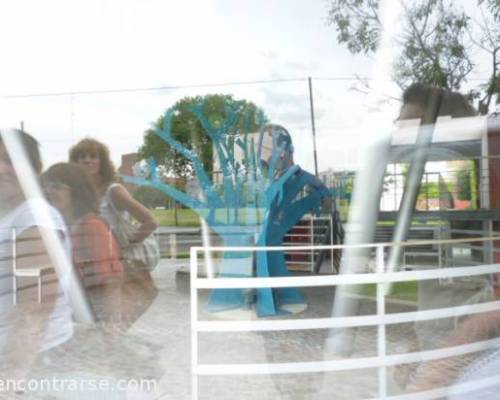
(116, 203)
(94, 156)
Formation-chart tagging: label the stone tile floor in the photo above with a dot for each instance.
(157, 347)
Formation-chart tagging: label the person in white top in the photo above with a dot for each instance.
(27, 328)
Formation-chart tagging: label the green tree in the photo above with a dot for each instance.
(464, 189)
(488, 40)
(150, 197)
(188, 131)
(357, 24)
(436, 44)
(429, 190)
(433, 45)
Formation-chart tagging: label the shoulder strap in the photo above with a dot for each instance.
(109, 199)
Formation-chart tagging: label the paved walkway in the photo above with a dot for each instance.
(157, 347)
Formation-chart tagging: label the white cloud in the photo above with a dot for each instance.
(60, 46)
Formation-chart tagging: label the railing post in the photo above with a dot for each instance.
(332, 251)
(207, 256)
(172, 241)
(194, 322)
(448, 250)
(381, 334)
(312, 240)
(440, 248)
(490, 257)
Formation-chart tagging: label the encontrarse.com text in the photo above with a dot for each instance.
(77, 385)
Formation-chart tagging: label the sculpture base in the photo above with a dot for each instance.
(248, 314)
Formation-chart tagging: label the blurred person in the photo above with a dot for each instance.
(115, 202)
(69, 188)
(449, 371)
(302, 192)
(422, 102)
(418, 97)
(96, 355)
(28, 328)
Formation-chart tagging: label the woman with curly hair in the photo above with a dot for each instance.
(96, 253)
(116, 203)
(94, 156)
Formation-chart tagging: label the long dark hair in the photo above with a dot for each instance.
(83, 192)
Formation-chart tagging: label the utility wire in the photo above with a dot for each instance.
(189, 86)
(176, 87)
(148, 89)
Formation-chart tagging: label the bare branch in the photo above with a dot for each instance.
(486, 27)
(419, 38)
(374, 10)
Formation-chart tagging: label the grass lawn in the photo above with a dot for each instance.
(186, 217)
(189, 218)
(401, 291)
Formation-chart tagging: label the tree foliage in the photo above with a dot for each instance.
(488, 40)
(437, 43)
(433, 45)
(429, 190)
(463, 187)
(493, 7)
(150, 197)
(188, 131)
(357, 24)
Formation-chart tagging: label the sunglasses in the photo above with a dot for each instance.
(90, 156)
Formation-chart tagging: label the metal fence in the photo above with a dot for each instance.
(381, 319)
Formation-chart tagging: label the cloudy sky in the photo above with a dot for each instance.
(76, 46)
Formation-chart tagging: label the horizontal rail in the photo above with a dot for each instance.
(464, 246)
(345, 279)
(294, 262)
(346, 322)
(301, 235)
(381, 319)
(462, 261)
(467, 231)
(422, 253)
(342, 246)
(345, 364)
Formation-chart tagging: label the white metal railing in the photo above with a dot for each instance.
(382, 360)
(487, 249)
(171, 246)
(312, 229)
(444, 253)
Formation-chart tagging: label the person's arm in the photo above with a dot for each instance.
(123, 201)
(474, 328)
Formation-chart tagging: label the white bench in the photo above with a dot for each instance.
(28, 272)
(32, 272)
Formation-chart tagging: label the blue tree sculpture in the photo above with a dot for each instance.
(254, 199)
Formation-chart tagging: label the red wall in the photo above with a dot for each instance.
(494, 164)
(494, 171)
